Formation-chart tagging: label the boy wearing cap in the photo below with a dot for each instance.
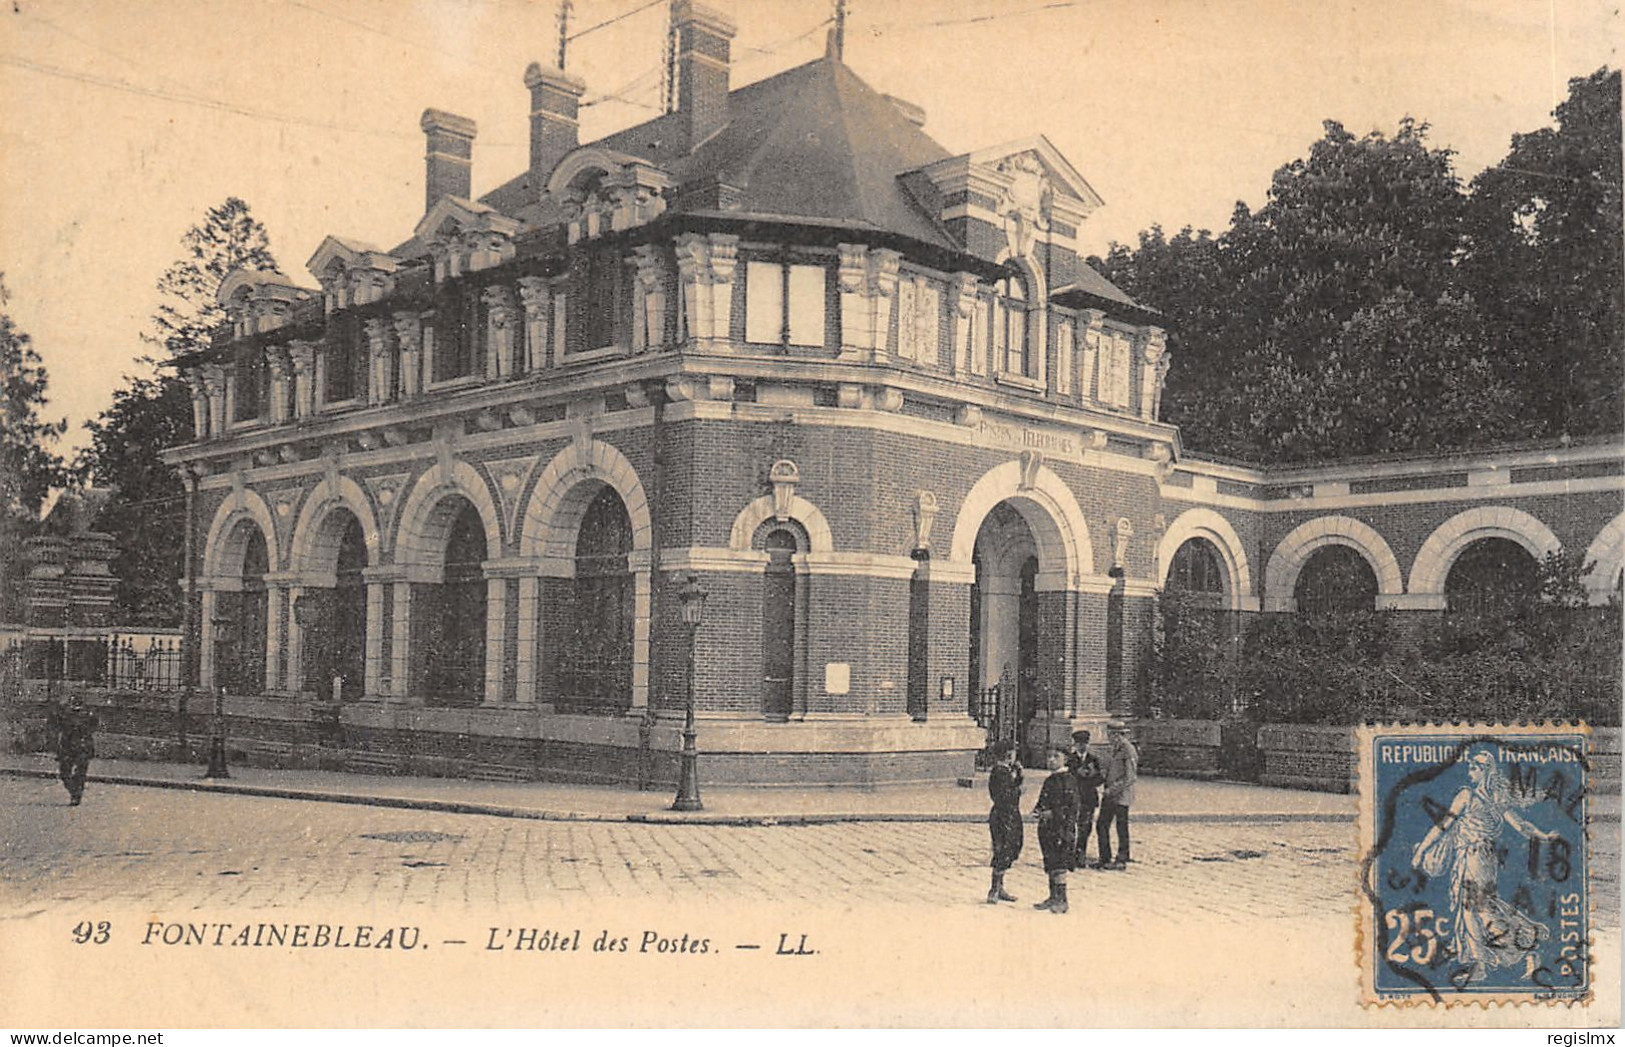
(1085, 767)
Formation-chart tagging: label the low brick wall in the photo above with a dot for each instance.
(1179, 748)
(1302, 756)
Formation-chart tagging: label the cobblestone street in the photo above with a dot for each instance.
(1244, 909)
(212, 852)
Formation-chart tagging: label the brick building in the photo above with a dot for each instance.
(866, 391)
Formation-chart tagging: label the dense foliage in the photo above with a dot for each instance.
(28, 468)
(153, 411)
(1548, 655)
(1374, 304)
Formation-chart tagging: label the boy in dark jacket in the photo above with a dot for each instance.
(1085, 767)
(1057, 813)
(1004, 820)
(74, 730)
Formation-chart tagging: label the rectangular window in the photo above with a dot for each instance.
(249, 400)
(764, 302)
(919, 316)
(784, 304)
(346, 363)
(600, 298)
(1115, 360)
(458, 338)
(807, 305)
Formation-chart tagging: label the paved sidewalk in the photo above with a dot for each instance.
(1159, 799)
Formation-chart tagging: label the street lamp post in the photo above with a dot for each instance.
(692, 598)
(217, 728)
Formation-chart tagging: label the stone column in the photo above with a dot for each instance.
(496, 632)
(276, 362)
(883, 270)
(724, 258)
(303, 357)
(649, 327)
(200, 404)
(400, 664)
(206, 634)
(525, 662)
(856, 324)
(963, 289)
(275, 599)
(537, 300)
(1153, 349)
(295, 679)
(214, 388)
(409, 339)
(372, 673)
(501, 325)
(1089, 329)
(639, 563)
(380, 372)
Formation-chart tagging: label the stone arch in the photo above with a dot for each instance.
(561, 497)
(819, 537)
(1439, 552)
(425, 520)
(1205, 523)
(315, 543)
(1293, 551)
(223, 551)
(1607, 551)
(1049, 508)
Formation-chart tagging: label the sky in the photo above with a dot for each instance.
(125, 120)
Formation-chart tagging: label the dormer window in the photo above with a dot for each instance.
(784, 304)
(1010, 313)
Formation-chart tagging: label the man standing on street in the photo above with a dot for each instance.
(1085, 767)
(75, 737)
(1121, 768)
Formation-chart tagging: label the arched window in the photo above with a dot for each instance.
(779, 625)
(335, 625)
(1335, 579)
(598, 661)
(1198, 572)
(241, 664)
(454, 649)
(1492, 576)
(1011, 316)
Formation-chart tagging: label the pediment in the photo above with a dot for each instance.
(259, 284)
(349, 254)
(452, 214)
(1028, 176)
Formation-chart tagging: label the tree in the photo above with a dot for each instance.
(153, 412)
(229, 238)
(1544, 258)
(1283, 316)
(28, 469)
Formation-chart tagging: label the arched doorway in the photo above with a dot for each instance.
(1492, 576)
(240, 666)
(451, 642)
(598, 655)
(1196, 634)
(335, 620)
(1004, 621)
(779, 624)
(1335, 579)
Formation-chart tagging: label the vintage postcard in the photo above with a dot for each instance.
(644, 513)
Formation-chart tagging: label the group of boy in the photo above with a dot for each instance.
(1083, 791)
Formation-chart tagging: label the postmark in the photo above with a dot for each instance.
(1474, 885)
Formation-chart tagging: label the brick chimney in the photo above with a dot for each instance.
(555, 99)
(702, 70)
(448, 156)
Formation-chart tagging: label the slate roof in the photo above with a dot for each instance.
(813, 143)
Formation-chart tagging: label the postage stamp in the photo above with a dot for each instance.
(1474, 880)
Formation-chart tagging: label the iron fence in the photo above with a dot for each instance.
(157, 668)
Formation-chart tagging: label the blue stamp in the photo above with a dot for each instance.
(1474, 881)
